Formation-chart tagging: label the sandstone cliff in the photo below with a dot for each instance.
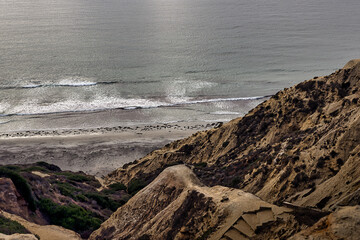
(342, 224)
(300, 146)
(176, 205)
(295, 158)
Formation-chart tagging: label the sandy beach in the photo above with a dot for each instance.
(95, 151)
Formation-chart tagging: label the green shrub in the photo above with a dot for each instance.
(69, 216)
(12, 167)
(76, 177)
(67, 189)
(8, 226)
(21, 185)
(81, 198)
(135, 185)
(35, 168)
(117, 186)
(103, 201)
(51, 167)
(114, 188)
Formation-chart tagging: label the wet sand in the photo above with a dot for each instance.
(96, 151)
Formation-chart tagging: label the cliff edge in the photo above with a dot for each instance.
(300, 146)
(176, 205)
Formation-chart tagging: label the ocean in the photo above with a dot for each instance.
(161, 61)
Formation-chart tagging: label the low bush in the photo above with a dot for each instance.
(76, 177)
(12, 167)
(103, 201)
(8, 226)
(114, 188)
(117, 186)
(67, 189)
(49, 166)
(35, 168)
(135, 185)
(81, 198)
(69, 216)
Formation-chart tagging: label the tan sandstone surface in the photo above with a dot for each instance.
(176, 205)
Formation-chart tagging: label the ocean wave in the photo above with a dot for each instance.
(66, 82)
(71, 105)
(224, 113)
(105, 103)
(225, 99)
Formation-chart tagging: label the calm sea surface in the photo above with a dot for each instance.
(163, 60)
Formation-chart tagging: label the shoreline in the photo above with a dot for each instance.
(95, 151)
(138, 129)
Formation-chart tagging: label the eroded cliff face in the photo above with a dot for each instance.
(176, 205)
(342, 224)
(11, 200)
(300, 146)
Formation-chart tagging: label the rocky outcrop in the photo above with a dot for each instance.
(11, 200)
(17, 236)
(176, 205)
(300, 146)
(342, 224)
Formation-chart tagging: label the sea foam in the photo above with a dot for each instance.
(32, 107)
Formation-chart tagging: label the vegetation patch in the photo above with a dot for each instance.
(115, 187)
(135, 185)
(21, 185)
(76, 177)
(70, 216)
(35, 168)
(82, 198)
(41, 167)
(50, 167)
(12, 167)
(8, 226)
(67, 189)
(103, 201)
